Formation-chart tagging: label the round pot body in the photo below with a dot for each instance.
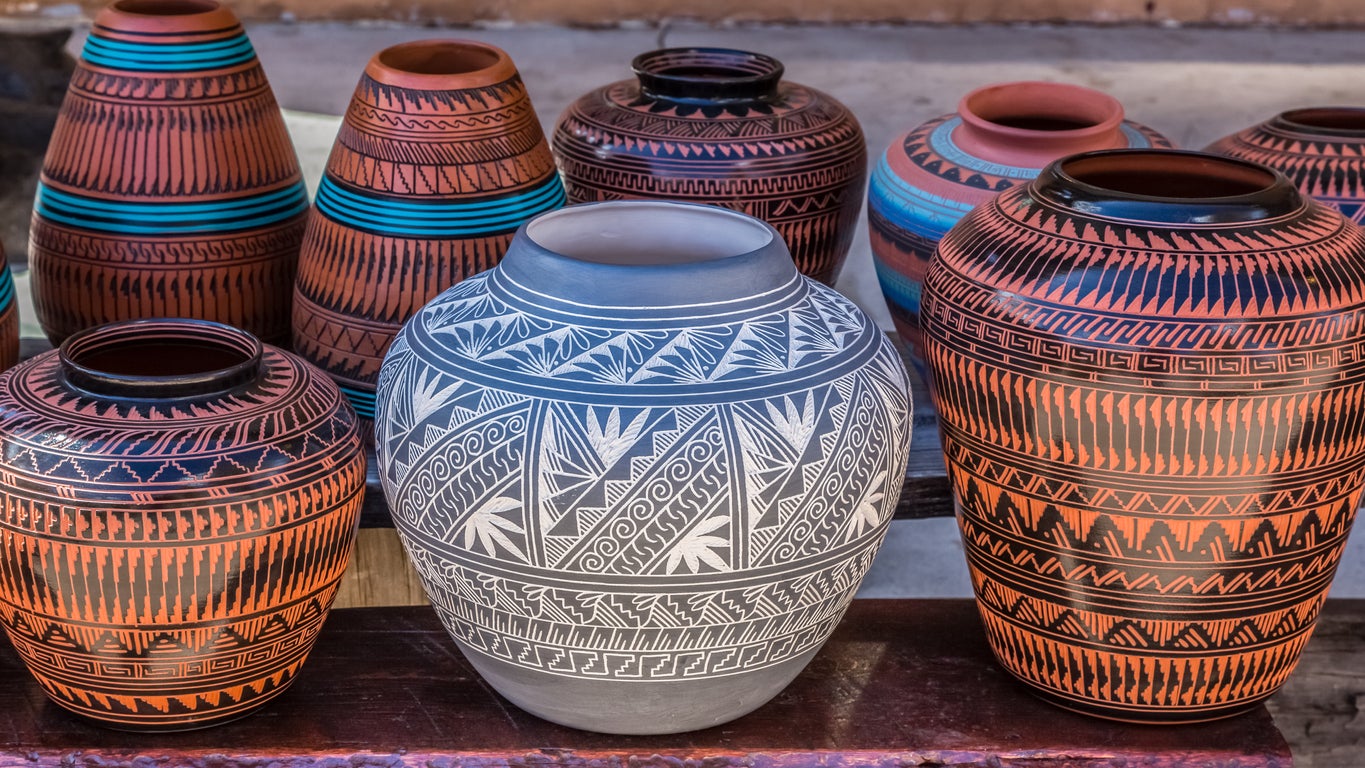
(1148, 369)
(439, 159)
(642, 465)
(1320, 149)
(180, 504)
(1001, 136)
(170, 187)
(718, 126)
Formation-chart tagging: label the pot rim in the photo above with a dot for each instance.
(760, 264)
(441, 64)
(179, 330)
(652, 69)
(1268, 194)
(144, 16)
(971, 106)
(1296, 120)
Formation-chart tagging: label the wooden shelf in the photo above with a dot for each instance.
(901, 683)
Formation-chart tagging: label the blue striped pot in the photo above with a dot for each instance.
(642, 465)
(439, 160)
(1001, 136)
(170, 186)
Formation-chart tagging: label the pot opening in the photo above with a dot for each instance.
(165, 7)
(647, 233)
(1337, 119)
(439, 57)
(1044, 107)
(160, 358)
(1174, 175)
(707, 73)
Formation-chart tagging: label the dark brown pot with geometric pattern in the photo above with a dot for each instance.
(719, 126)
(1150, 374)
(1320, 149)
(180, 505)
(439, 159)
(170, 186)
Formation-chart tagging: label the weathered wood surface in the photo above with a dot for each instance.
(901, 683)
(1321, 710)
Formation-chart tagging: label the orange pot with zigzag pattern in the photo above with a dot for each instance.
(180, 502)
(1150, 373)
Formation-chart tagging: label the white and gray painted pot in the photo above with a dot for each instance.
(643, 464)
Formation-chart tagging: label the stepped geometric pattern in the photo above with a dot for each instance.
(424, 188)
(921, 186)
(1156, 439)
(170, 187)
(796, 160)
(168, 565)
(602, 493)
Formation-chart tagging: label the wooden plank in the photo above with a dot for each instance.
(380, 573)
(1321, 710)
(901, 683)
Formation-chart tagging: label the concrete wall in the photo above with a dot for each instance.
(616, 12)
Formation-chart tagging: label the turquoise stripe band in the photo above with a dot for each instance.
(405, 218)
(169, 57)
(242, 213)
(6, 288)
(363, 401)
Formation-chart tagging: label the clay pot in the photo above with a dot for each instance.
(642, 465)
(1320, 149)
(1148, 370)
(1001, 136)
(711, 125)
(439, 159)
(180, 504)
(170, 187)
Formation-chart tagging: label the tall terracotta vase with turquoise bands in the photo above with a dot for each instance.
(9, 316)
(439, 159)
(170, 187)
(1001, 136)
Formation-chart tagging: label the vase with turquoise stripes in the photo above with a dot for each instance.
(1001, 136)
(170, 186)
(439, 159)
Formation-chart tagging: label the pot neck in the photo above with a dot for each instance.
(638, 257)
(707, 74)
(160, 359)
(1167, 187)
(165, 17)
(1030, 124)
(1347, 123)
(441, 65)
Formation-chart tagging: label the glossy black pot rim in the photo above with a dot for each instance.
(1302, 121)
(730, 74)
(180, 331)
(1070, 183)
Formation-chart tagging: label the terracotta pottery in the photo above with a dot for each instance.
(170, 187)
(1320, 149)
(439, 159)
(711, 125)
(9, 316)
(1001, 136)
(180, 504)
(1149, 368)
(643, 464)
